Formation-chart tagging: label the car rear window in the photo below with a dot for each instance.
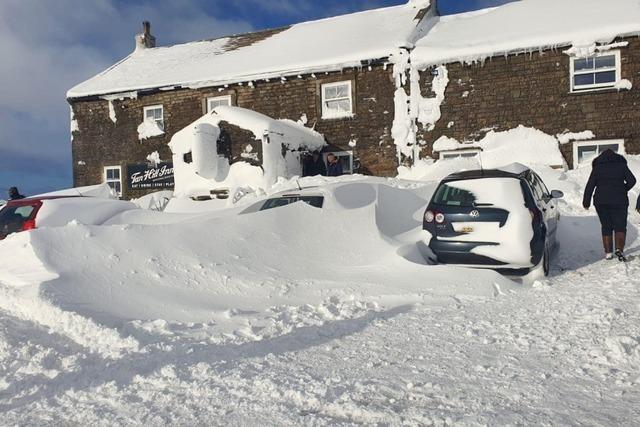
(315, 201)
(12, 218)
(479, 192)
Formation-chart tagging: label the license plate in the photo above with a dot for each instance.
(467, 230)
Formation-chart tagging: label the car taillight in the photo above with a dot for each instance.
(429, 216)
(439, 218)
(29, 224)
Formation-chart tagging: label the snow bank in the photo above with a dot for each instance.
(125, 272)
(525, 26)
(102, 191)
(524, 145)
(208, 170)
(338, 42)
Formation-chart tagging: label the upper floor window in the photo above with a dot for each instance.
(585, 151)
(337, 100)
(155, 113)
(217, 101)
(113, 178)
(600, 71)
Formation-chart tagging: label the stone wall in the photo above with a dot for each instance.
(100, 142)
(534, 90)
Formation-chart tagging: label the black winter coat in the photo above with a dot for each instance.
(611, 179)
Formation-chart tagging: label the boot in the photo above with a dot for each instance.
(607, 242)
(621, 238)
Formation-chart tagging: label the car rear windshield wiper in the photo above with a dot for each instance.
(482, 205)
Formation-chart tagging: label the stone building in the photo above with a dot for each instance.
(571, 72)
(383, 86)
(336, 75)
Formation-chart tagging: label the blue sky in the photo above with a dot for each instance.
(48, 47)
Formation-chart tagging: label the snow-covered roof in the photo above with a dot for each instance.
(525, 25)
(315, 46)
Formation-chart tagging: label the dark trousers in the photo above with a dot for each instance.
(612, 218)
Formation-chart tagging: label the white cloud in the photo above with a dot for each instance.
(48, 47)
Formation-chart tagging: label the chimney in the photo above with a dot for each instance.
(145, 40)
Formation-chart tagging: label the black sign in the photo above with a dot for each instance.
(145, 176)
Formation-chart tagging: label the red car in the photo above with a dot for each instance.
(57, 211)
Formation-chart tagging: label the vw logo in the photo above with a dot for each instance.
(474, 214)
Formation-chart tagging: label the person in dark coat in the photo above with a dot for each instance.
(314, 165)
(334, 167)
(14, 194)
(611, 179)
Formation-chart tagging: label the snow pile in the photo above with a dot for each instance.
(124, 272)
(524, 145)
(148, 129)
(209, 171)
(154, 158)
(525, 26)
(338, 42)
(624, 84)
(155, 201)
(567, 137)
(102, 191)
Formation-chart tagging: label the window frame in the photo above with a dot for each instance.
(458, 153)
(217, 98)
(323, 99)
(159, 122)
(597, 143)
(107, 181)
(339, 154)
(596, 86)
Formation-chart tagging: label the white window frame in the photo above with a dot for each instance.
(458, 153)
(341, 154)
(159, 122)
(218, 98)
(331, 114)
(600, 86)
(108, 180)
(595, 143)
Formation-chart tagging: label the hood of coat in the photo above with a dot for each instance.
(609, 156)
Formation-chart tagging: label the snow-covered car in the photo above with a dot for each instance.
(505, 219)
(57, 211)
(312, 197)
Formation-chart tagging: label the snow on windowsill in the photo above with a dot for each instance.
(149, 129)
(623, 84)
(337, 115)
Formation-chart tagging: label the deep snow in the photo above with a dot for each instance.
(304, 316)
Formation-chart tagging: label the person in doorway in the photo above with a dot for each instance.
(334, 167)
(611, 180)
(313, 165)
(14, 194)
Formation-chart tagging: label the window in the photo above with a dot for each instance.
(345, 158)
(315, 201)
(538, 187)
(113, 178)
(155, 113)
(337, 101)
(217, 101)
(600, 71)
(585, 151)
(459, 154)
